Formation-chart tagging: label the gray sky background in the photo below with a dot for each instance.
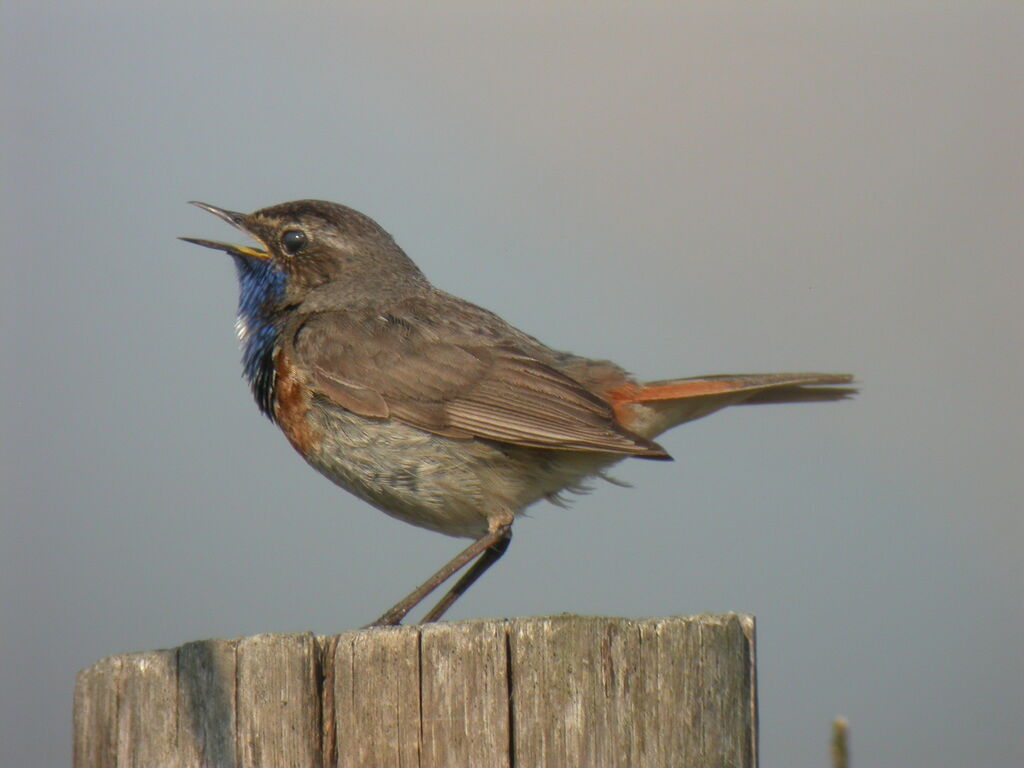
(710, 188)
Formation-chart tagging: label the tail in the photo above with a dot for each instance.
(650, 409)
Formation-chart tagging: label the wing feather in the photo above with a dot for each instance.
(457, 385)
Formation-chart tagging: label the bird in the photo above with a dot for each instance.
(430, 408)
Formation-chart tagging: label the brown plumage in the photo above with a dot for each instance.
(395, 366)
(435, 410)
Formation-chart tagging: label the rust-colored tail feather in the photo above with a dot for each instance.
(651, 408)
(783, 386)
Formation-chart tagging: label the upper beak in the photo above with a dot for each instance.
(236, 220)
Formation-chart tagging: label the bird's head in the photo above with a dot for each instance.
(305, 244)
(311, 255)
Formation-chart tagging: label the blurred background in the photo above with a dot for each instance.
(702, 188)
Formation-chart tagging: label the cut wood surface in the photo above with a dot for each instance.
(545, 692)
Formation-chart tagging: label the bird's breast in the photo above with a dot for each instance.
(292, 400)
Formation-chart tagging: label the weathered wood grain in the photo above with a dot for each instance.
(464, 694)
(147, 713)
(207, 709)
(545, 692)
(95, 713)
(278, 695)
(377, 697)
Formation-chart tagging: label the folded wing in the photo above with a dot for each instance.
(385, 367)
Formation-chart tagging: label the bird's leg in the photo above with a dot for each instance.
(484, 544)
(485, 561)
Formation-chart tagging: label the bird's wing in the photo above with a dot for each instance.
(461, 385)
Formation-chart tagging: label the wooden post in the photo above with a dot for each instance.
(565, 691)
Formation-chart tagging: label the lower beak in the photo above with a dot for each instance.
(234, 250)
(236, 220)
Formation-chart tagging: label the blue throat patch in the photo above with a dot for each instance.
(261, 286)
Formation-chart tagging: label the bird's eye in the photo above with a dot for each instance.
(293, 240)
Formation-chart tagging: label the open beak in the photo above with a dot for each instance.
(237, 220)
